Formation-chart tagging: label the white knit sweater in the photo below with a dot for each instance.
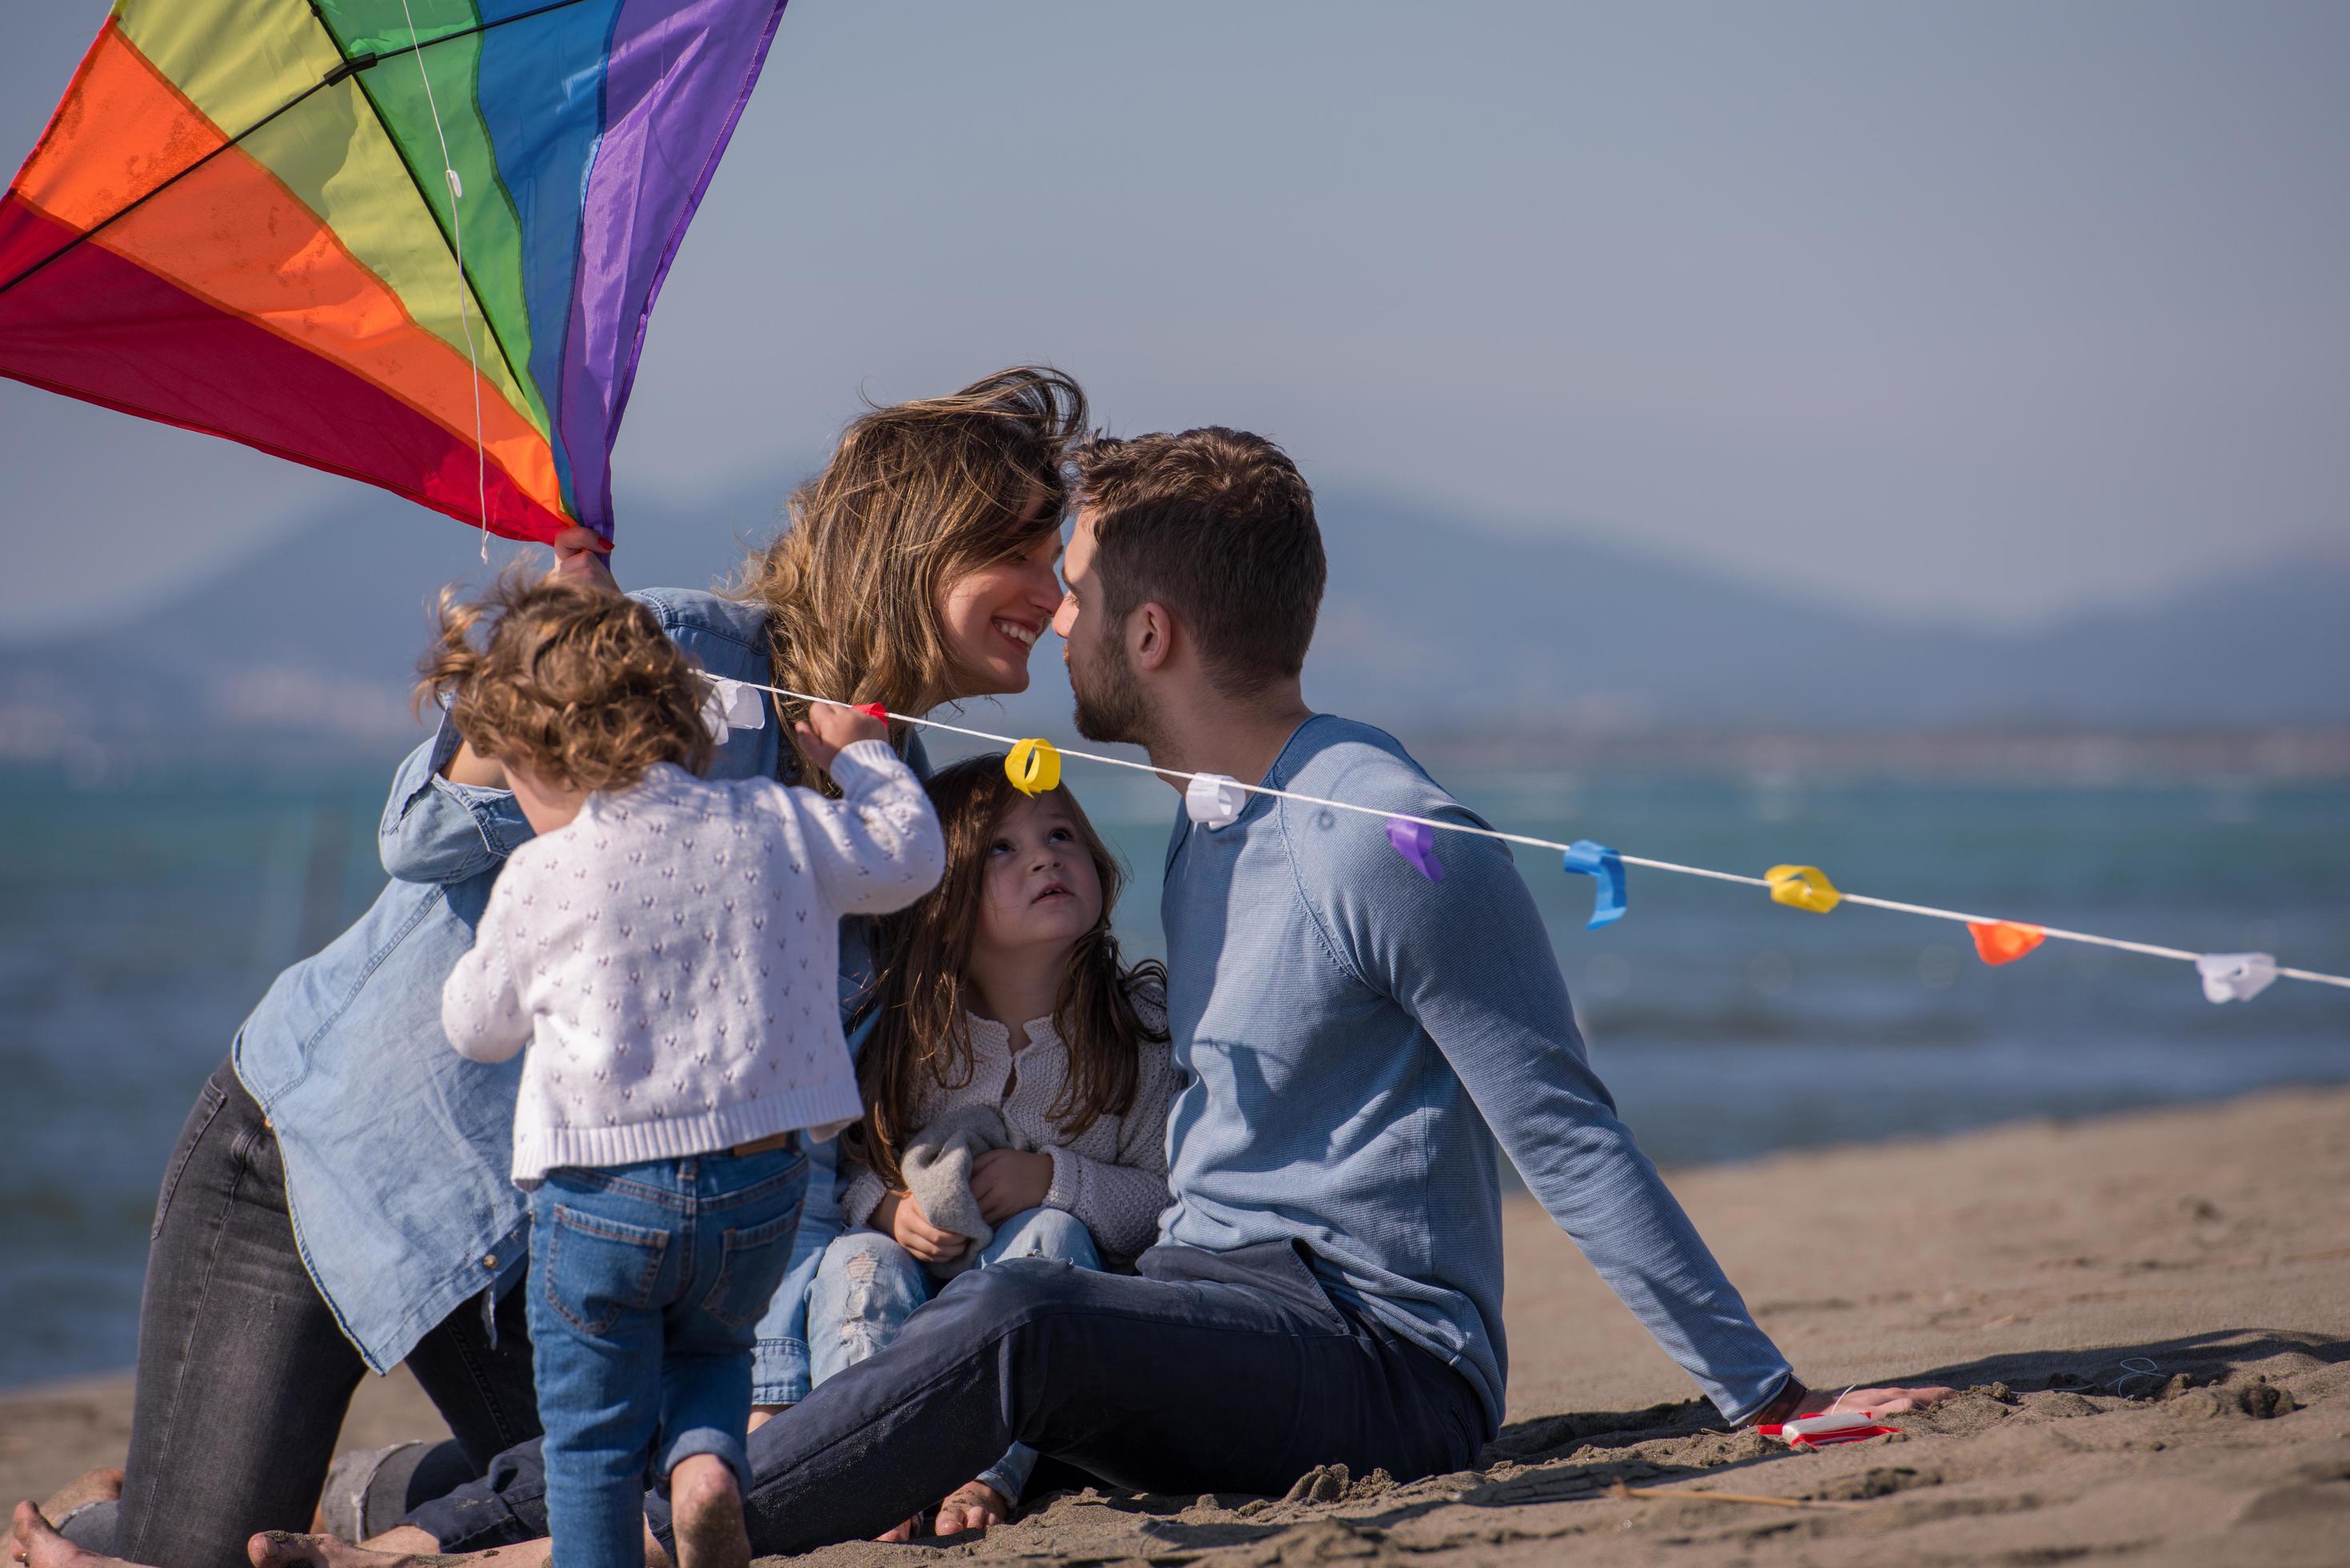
(670, 957)
(1113, 1175)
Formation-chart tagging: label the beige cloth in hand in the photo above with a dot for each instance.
(936, 1167)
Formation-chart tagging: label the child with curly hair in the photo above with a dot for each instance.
(665, 946)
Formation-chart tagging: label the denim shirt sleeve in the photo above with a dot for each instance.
(437, 831)
(1470, 960)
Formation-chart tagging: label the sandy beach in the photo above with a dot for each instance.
(2150, 1314)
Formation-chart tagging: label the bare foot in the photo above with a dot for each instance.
(35, 1545)
(975, 1505)
(102, 1485)
(705, 1510)
(285, 1549)
(898, 1534)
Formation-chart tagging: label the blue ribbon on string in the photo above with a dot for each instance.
(1605, 869)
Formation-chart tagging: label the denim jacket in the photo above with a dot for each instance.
(397, 1150)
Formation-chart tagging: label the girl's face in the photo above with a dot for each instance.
(992, 617)
(1038, 886)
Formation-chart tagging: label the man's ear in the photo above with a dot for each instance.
(1150, 635)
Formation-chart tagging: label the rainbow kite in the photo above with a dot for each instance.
(413, 241)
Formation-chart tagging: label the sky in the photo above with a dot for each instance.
(1976, 313)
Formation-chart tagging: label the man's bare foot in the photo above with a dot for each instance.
(705, 1510)
(975, 1505)
(102, 1485)
(34, 1544)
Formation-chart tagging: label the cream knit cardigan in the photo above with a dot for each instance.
(670, 957)
(1113, 1175)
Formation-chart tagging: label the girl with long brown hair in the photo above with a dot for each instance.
(1016, 1085)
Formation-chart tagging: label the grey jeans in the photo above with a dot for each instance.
(243, 1376)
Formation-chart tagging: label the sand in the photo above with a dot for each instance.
(2151, 1315)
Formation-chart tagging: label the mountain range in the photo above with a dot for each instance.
(1433, 625)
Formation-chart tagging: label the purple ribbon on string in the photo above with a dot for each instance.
(1416, 842)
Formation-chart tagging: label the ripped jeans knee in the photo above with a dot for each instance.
(864, 1290)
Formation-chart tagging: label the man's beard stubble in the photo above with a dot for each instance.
(1109, 705)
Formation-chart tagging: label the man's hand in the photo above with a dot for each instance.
(1005, 1182)
(1794, 1401)
(1877, 1401)
(830, 727)
(580, 557)
(899, 1215)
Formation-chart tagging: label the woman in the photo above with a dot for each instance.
(339, 1200)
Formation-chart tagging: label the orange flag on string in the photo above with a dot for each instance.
(2005, 942)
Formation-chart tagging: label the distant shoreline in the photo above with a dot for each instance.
(372, 728)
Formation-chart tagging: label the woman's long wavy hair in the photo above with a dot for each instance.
(922, 1031)
(915, 495)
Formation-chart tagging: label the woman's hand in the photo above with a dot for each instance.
(830, 727)
(1005, 1182)
(902, 1218)
(581, 555)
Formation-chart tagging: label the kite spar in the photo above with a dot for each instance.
(244, 219)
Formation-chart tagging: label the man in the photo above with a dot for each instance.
(1329, 1285)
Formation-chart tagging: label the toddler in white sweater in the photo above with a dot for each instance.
(666, 947)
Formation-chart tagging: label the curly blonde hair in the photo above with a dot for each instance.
(914, 495)
(570, 681)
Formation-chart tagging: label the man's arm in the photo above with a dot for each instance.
(1469, 958)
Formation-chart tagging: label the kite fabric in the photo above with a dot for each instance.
(246, 218)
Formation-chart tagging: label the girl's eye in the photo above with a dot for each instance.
(1001, 847)
(1062, 835)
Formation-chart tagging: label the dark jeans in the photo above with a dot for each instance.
(244, 1375)
(1228, 1372)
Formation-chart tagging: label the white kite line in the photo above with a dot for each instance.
(2056, 933)
(457, 255)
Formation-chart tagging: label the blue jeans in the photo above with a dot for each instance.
(868, 1286)
(779, 1366)
(647, 1283)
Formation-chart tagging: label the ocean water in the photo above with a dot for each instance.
(140, 921)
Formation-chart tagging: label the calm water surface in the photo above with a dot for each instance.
(140, 921)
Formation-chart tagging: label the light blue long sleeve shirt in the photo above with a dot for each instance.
(397, 1150)
(1357, 1039)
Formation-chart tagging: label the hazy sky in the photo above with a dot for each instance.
(1978, 311)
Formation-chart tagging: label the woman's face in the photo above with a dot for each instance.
(992, 617)
(1038, 887)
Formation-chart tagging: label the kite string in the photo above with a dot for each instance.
(457, 257)
(1927, 911)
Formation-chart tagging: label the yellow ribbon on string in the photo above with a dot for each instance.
(1802, 888)
(1033, 766)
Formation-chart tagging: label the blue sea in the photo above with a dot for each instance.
(139, 921)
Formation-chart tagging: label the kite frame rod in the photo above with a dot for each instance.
(344, 69)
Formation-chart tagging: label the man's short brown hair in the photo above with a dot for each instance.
(568, 681)
(1218, 525)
